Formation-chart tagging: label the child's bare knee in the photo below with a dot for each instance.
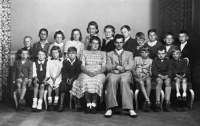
(184, 80)
(42, 87)
(36, 85)
(19, 80)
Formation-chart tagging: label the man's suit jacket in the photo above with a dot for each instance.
(26, 69)
(71, 71)
(113, 61)
(130, 45)
(169, 52)
(37, 46)
(179, 67)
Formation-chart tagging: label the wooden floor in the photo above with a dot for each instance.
(176, 117)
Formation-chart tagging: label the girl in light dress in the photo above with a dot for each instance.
(53, 74)
(59, 37)
(92, 30)
(76, 38)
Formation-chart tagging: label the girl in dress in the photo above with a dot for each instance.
(108, 42)
(76, 38)
(53, 74)
(59, 37)
(90, 81)
(92, 30)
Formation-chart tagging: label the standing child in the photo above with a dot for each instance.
(162, 72)
(143, 73)
(130, 44)
(169, 39)
(59, 37)
(108, 42)
(22, 75)
(140, 38)
(27, 45)
(70, 72)
(39, 74)
(92, 30)
(153, 43)
(180, 73)
(53, 74)
(76, 38)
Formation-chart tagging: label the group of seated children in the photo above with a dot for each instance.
(153, 62)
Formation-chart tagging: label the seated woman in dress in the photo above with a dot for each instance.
(75, 41)
(59, 37)
(90, 81)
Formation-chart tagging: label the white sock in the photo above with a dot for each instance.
(39, 106)
(49, 98)
(184, 94)
(89, 105)
(178, 94)
(94, 104)
(34, 103)
(56, 98)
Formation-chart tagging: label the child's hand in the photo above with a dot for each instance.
(115, 71)
(121, 69)
(13, 82)
(91, 74)
(166, 77)
(29, 82)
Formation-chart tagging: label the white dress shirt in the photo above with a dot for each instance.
(183, 45)
(152, 43)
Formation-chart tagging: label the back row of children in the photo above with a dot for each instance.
(54, 71)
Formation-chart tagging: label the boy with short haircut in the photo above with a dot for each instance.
(162, 72)
(140, 38)
(169, 39)
(70, 72)
(187, 49)
(153, 43)
(22, 75)
(39, 74)
(28, 46)
(130, 44)
(143, 74)
(179, 73)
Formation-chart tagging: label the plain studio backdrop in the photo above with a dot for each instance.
(29, 16)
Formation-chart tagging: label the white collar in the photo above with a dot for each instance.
(119, 51)
(41, 61)
(72, 62)
(60, 44)
(184, 43)
(126, 39)
(44, 42)
(152, 43)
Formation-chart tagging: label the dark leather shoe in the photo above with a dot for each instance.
(157, 105)
(87, 110)
(148, 104)
(22, 102)
(61, 108)
(179, 98)
(184, 99)
(94, 110)
(167, 105)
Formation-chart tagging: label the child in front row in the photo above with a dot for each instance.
(162, 72)
(70, 72)
(180, 72)
(143, 73)
(140, 38)
(53, 74)
(39, 74)
(169, 39)
(22, 75)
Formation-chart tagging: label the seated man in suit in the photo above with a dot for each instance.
(119, 66)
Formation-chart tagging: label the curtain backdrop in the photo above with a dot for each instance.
(174, 16)
(5, 44)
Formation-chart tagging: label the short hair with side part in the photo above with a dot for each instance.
(118, 36)
(127, 27)
(169, 33)
(43, 29)
(72, 49)
(161, 48)
(140, 35)
(152, 30)
(184, 32)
